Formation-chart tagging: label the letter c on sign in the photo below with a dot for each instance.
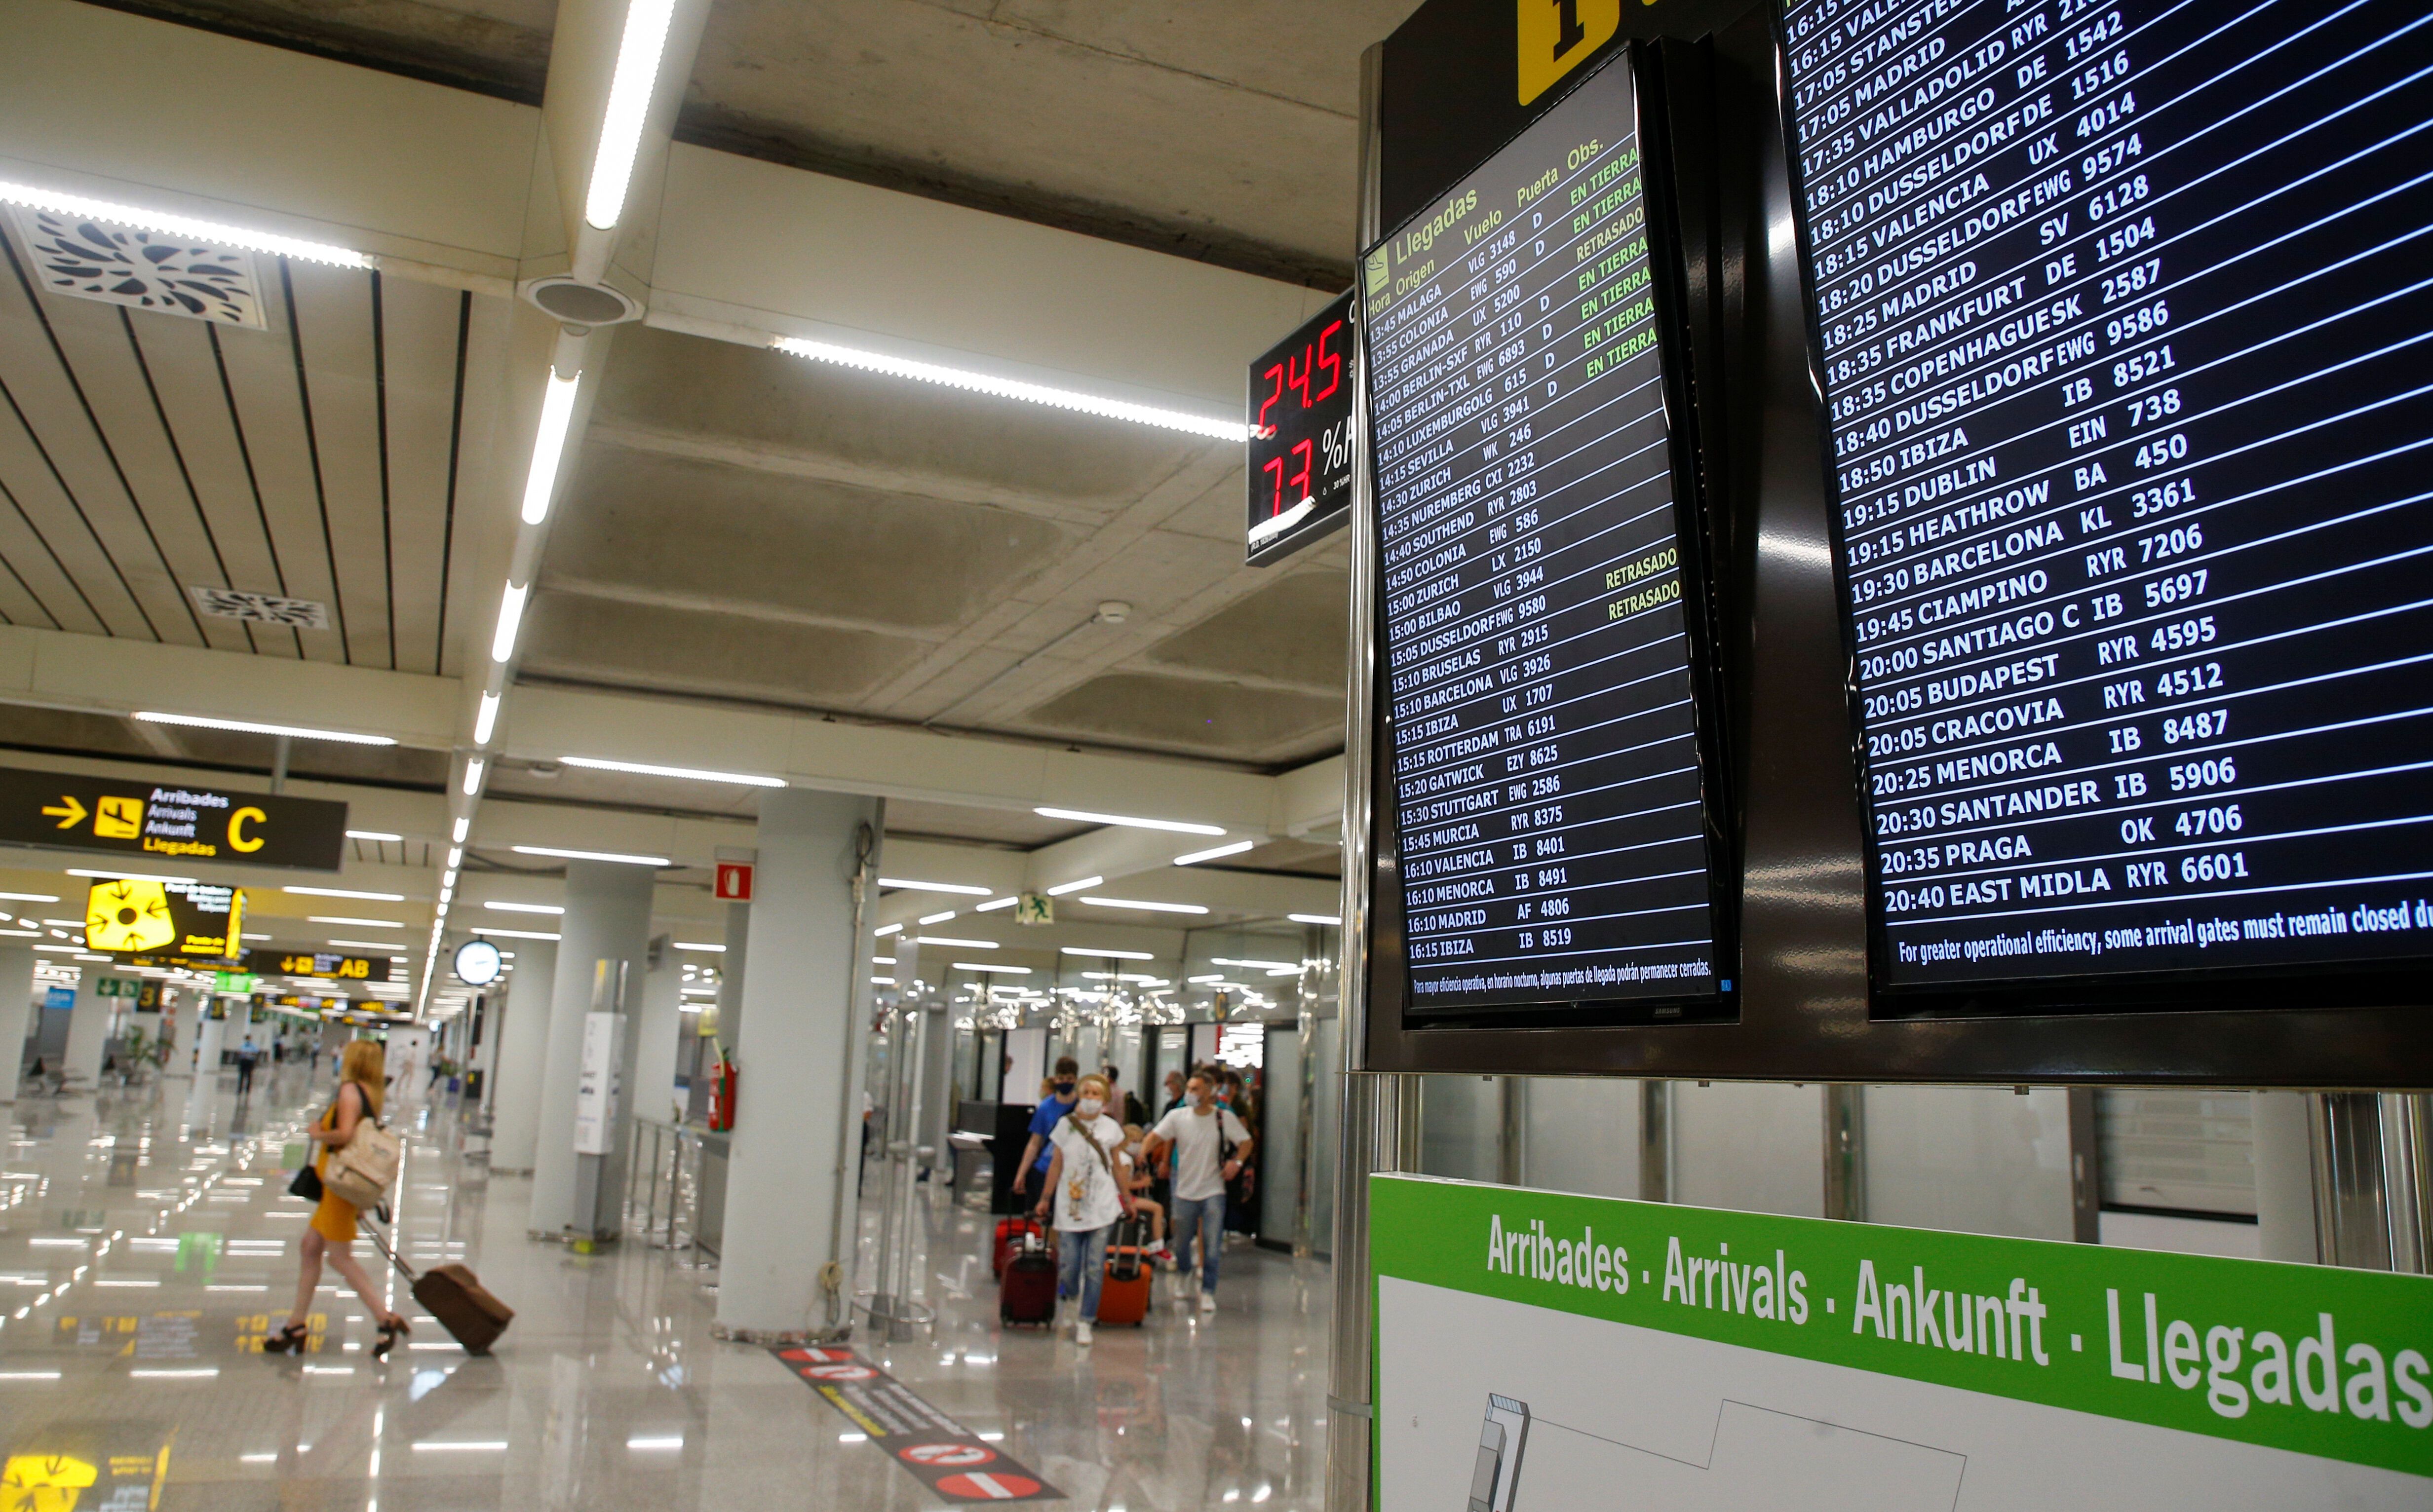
(238, 840)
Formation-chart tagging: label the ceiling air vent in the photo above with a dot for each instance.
(581, 304)
(262, 608)
(140, 269)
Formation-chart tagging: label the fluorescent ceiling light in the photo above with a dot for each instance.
(181, 226)
(1176, 825)
(473, 769)
(629, 106)
(92, 957)
(511, 934)
(342, 892)
(591, 855)
(691, 773)
(1202, 982)
(438, 1444)
(60, 950)
(672, 1441)
(250, 727)
(372, 834)
(333, 918)
(1001, 971)
(104, 874)
(1146, 905)
(528, 907)
(549, 445)
(463, 824)
(882, 960)
(882, 981)
(1108, 955)
(937, 886)
(364, 944)
(1255, 966)
(699, 944)
(511, 614)
(1215, 851)
(1063, 399)
(31, 897)
(937, 918)
(994, 904)
(886, 929)
(964, 944)
(485, 719)
(1315, 918)
(1063, 888)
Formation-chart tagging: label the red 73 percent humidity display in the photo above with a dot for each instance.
(1301, 435)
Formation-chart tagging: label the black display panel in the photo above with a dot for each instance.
(1540, 673)
(1300, 443)
(2124, 323)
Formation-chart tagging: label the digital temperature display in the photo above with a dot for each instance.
(1301, 435)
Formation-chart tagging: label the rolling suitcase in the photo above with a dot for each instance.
(1027, 1295)
(457, 1297)
(1124, 1290)
(1010, 1233)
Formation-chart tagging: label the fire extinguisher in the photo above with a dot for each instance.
(721, 1095)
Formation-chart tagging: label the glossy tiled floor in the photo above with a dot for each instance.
(145, 1238)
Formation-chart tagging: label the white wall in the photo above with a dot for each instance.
(1751, 1147)
(1982, 1160)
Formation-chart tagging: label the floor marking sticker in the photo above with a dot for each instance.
(941, 1452)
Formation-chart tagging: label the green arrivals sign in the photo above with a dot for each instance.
(1916, 1336)
(163, 823)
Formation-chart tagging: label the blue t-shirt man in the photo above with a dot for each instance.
(1060, 1101)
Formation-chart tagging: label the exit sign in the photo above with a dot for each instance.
(735, 881)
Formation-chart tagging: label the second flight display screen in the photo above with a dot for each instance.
(2125, 329)
(1536, 659)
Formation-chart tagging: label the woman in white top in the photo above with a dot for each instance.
(1086, 1178)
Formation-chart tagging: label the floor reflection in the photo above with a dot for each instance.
(147, 1244)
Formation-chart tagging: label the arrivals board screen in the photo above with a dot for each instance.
(2125, 325)
(1536, 662)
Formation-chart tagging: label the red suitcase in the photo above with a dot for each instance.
(1124, 1290)
(1027, 1294)
(1009, 1232)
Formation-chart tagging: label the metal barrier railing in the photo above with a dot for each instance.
(675, 1187)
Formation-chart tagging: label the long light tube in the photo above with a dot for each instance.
(1144, 905)
(474, 770)
(485, 719)
(549, 446)
(591, 855)
(1063, 888)
(935, 886)
(251, 727)
(1084, 817)
(629, 106)
(689, 773)
(511, 614)
(181, 226)
(1215, 851)
(1063, 399)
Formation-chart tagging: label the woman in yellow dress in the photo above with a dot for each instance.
(332, 1234)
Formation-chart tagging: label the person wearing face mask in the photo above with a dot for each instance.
(1051, 1111)
(1198, 1132)
(1087, 1173)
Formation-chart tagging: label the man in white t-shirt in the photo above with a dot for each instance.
(1085, 1176)
(1198, 1132)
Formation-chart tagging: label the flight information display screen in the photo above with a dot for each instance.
(2125, 323)
(1536, 661)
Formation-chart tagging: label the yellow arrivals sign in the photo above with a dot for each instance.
(191, 920)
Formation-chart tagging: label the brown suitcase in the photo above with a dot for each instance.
(455, 1297)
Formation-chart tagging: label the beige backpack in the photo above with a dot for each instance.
(360, 1171)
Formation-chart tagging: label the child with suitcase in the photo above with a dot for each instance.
(1086, 1179)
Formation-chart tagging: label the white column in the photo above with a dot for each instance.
(655, 1056)
(88, 1027)
(523, 1040)
(607, 918)
(799, 1063)
(202, 1103)
(16, 1013)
